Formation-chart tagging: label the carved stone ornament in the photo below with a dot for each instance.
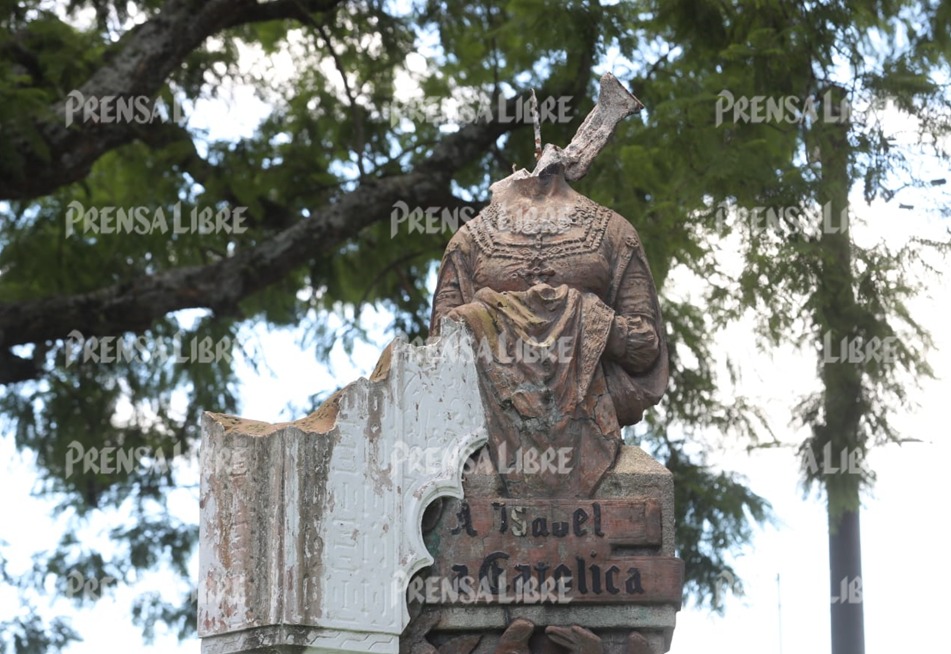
(310, 530)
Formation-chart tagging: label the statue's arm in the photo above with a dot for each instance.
(634, 340)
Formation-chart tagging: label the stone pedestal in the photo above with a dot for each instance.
(634, 530)
(310, 530)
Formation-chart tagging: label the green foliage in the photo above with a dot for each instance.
(41, 60)
(714, 515)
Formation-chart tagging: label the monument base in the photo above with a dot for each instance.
(295, 639)
(309, 529)
(639, 490)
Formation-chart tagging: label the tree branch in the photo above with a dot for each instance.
(135, 305)
(140, 66)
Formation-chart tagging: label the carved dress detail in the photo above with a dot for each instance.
(570, 339)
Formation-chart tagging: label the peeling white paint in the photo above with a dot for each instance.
(315, 524)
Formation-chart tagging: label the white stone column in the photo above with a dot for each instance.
(310, 530)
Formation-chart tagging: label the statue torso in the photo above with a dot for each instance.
(514, 252)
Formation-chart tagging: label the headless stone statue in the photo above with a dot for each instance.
(570, 347)
(558, 294)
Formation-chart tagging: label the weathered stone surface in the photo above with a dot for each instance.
(558, 293)
(615, 103)
(636, 474)
(310, 530)
(525, 523)
(646, 534)
(505, 550)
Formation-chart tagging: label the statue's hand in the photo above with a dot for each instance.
(515, 639)
(637, 644)
(547, 291)
(577, 640)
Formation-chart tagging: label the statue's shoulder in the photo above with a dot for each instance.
(618, 231)
(463, 236)
(475, 232)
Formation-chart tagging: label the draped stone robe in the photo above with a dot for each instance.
(570, 339)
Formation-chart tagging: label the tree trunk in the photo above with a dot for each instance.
(845, 569)
(838, 436)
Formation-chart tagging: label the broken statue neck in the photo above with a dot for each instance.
(546, 190)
